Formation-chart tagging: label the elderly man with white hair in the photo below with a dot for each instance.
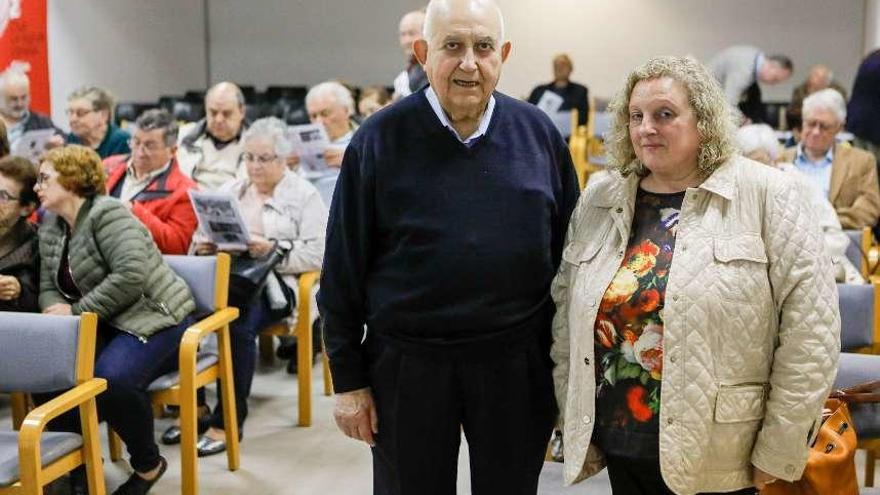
(413, 77)
(758, 142)
(15, 100)
(445, 231)
(331, 105)
(846, 176)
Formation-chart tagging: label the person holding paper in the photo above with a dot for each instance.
(15, 100)
(279, 206)
(150, 184)
(445, 231)
(573, 96)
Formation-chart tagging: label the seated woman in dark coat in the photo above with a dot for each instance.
(18, 240)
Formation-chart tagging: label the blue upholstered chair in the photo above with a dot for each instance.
(43, 353)
(859, 324)
(208, 279)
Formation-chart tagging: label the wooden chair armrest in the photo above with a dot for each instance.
(36, 420)
(192, 337)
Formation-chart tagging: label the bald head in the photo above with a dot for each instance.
(819, 78)
(410, 29)
(224, 110)
(443, 12)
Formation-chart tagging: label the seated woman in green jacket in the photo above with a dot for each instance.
(95, 256)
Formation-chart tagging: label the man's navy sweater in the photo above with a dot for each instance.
(434, 243)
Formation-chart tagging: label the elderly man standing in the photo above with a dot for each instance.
(574, 95)
(445, 232)
(150, 183)
(412, 78)
(739, 69)
(209, 150)
(846, 176)
(15, 100)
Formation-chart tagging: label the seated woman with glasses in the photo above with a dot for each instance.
(97, 257)
(18, 238)
(279, 206)
(90, 111)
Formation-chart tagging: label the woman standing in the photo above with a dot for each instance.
(97, 257)
(697, 330)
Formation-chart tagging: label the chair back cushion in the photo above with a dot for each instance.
(38, 352)
(854, 249)
(856, 315)
(198, 272)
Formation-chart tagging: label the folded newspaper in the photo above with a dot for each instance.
(220, 219)
(309, 142)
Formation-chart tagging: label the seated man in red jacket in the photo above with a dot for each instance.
(151, 185)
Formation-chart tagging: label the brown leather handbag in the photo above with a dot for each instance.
(831, 467)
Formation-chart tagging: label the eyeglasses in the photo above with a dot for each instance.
(5, 196)
(148, 146)
(261, 159)
(43, 179)
(79, 112)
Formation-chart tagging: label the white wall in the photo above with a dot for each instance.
(872, 25)
(306, 41)
(138, 49)
(141, 49)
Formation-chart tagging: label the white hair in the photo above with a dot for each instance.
(437, 5)
(272, 128)
(757, 137)
(340, 94)
(826, 99)
(16, 73)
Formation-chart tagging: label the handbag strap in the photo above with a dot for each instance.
(861, 393)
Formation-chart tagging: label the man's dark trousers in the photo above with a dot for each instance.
(501, 396)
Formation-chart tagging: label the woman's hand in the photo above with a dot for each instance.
(333, 157)
(58, 309)
(205, 248)
(259, 246)
(10, 288)
(293, 161)
(761, 479)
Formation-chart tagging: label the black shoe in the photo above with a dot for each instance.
(171, 436)
(208, 446)
(286, 350)
(136, 485)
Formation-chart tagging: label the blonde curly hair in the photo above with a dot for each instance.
(80, 170)
(715, 122)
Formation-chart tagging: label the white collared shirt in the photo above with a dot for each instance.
(817, 172)
(484, 121)
(132, 186)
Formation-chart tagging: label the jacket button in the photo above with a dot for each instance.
(673, 358)
(684, 247)
(587, 361)
(675, 297)
(619, 210)
(789, 469)
(587, 420)
(670, 421)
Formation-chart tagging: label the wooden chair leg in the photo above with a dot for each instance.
(92, 448)
(304, 363)
(328, 380)
(870, 461)
(115, 444)
(19, 403)
(230, 416)
(267, 350)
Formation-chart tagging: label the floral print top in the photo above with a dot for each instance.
(629, 333)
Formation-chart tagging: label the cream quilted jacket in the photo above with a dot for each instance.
(751, 335)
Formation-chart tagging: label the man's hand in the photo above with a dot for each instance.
(10, 288)
(205, 248)
(333, 157)
(58, 309)
(259, 246)
(761, 479)
(355, 415)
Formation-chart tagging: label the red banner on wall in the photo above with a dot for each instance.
(23, 46)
